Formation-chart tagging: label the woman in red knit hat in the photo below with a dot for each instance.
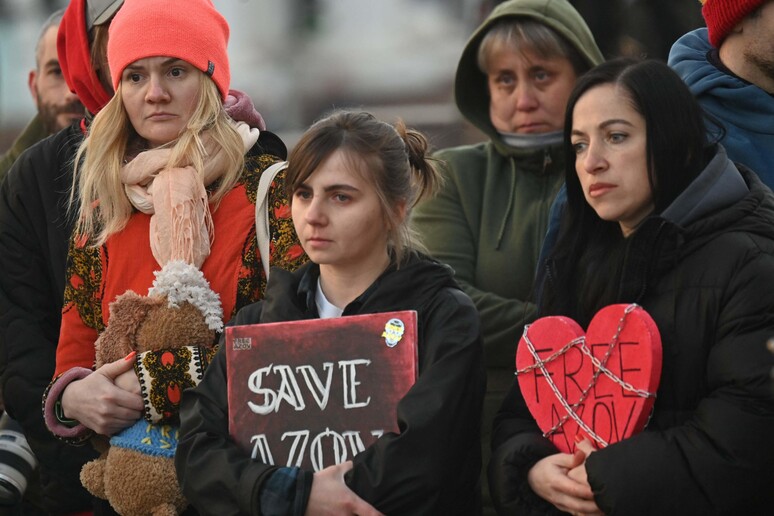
(165, 175)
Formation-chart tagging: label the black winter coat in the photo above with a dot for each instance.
(34, 234)
(709, 446)
(431, 467)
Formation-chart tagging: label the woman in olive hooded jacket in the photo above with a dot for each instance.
(489, 220)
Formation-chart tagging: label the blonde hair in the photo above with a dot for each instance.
(396, 164)
(102, 205)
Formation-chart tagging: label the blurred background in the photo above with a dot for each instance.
(298, 59)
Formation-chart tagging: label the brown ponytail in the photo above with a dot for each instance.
(424, 168)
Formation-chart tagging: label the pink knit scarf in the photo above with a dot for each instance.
(176, 198)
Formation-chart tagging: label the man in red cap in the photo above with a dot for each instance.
(729, 66)
(34, 231)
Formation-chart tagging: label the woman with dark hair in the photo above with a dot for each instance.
(353, 181)
(657, 216)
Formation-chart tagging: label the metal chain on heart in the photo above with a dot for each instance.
(599, 366)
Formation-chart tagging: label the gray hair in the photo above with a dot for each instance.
(52, 21)
(520, 33)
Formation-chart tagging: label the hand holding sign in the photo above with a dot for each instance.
(317, 392)
(601, 384)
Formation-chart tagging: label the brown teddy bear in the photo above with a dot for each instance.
(172, 329)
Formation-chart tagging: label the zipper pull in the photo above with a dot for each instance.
(546, 160)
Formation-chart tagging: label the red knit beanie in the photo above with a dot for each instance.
(191, 30)
(722, 15)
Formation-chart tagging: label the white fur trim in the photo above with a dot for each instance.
(181, 282)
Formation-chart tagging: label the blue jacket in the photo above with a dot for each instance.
(746, 111)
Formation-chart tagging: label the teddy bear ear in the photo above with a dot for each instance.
(127, 312)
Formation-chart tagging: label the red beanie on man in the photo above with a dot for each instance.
(722, 15)
(191, 30)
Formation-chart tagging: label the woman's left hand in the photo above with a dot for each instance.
(331, 496)
(128, 381)
(580, 475)
(99, 404)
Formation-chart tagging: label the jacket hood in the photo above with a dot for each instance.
(411, 286)
(744, 110)
(750, 209)
(470, 86)
(75, 58)
(734, 101)
(719, 185)
(724, 198)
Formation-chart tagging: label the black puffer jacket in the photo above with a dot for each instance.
(704, 270)
(34, 233)
(431, 467)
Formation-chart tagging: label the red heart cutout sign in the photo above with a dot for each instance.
(600, 384)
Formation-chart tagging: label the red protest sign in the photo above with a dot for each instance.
(600, 383)
(316, 392)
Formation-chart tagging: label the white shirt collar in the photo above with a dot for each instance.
(325, 308)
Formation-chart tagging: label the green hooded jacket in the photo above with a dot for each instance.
(489, 220)
(32, 134)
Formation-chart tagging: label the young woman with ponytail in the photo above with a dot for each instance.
(353, 182)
